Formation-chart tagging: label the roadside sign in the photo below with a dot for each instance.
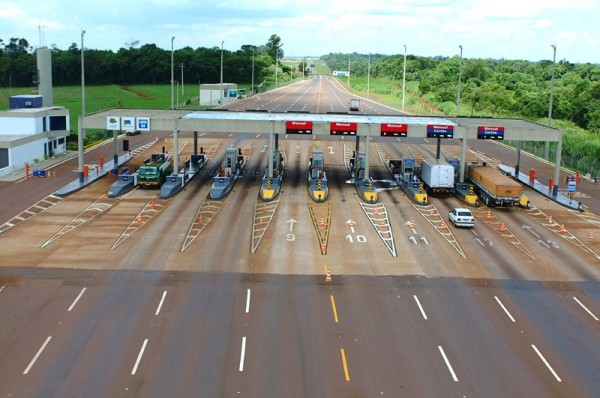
(298, 127)
(343, 128)
(394, 129)
(490, 132)
(571, 186)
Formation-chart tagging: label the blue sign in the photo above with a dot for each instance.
(143, 123)
(440, 131)
(572, 186)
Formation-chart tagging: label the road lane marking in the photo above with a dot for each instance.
(346, 373)
(243, 354)
(162, 300)
(77, 299)
(248, 301)
(420, 307)
(574, 298)
(335, 315)
(139, 357)
(2, 288)
(37, 355)
(504, 308)
(546, 363)
(447, 363)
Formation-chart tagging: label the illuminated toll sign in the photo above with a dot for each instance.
(298, 127)
(490, 132)
(440, 131)
(343, 128)
(394, 129)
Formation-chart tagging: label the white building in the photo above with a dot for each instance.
(28, 135)
(210, 94)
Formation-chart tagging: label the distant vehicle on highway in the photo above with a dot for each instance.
(355, 104)
(135, 132)
(461, 217)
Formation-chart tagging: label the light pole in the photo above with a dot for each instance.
(252, 90)
(369, 76)
(182, 90)
(276, 56)
(459, 79)
(348, 70)
(404, 78)
(221, 103)
(81, 130)
(547, 149)
(172, 73)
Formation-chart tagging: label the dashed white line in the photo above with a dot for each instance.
(243, 354)
(574, 298)
(504, 308)
(160, 304)
(248, 301)
(139, 357)
(420, 307)
(447, 363)
(546, 362)
(37, 355)
(77, 298)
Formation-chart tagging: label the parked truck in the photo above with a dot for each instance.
(437, 176)
(494, 188)
(153, 172)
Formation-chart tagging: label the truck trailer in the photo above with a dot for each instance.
(494, 188)
(438, 176)
(154, 171)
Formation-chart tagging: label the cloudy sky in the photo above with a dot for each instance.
(510, 29)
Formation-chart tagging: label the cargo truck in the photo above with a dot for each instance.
(494, 188)
(153, 172)
(355, 104)
(437, 176)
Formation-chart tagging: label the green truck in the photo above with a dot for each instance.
(154, 171)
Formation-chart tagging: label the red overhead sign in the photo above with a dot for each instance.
(343, 128)
(394, 129)
(298, 127)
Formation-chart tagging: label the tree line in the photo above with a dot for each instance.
(489, 87)
(146, 64)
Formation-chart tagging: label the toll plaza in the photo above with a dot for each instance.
(345, 125)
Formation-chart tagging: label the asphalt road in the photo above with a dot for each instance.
(100, 297)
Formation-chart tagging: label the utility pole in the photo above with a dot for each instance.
(182, 90)
(547, 149)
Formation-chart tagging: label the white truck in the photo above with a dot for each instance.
(355, 104)
(437, 176)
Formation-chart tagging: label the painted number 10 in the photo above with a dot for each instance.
(359, 238)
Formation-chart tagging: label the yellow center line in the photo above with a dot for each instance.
(345, 365)
(335, 316)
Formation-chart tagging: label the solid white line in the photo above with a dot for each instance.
(162, 300)
(447, 363)
(420, 307)
(77, 299)
(2, 288)
(243, 354)
(248, 301)
(574, 298)
(546, 362)
(37, 355)
(139, 357)
(504, 308)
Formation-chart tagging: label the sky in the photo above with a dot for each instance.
(508, 29)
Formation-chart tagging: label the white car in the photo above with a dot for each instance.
(461, 217)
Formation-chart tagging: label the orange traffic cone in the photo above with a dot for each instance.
(139, 218)
(322, 222)
(323, 247)
(550, 220)
(328, 277)
(502, 227)
(489, 215)
(562, 229)
(376, 212)
(443, 226)
(431, 213)
(153, 205)
(591, 237)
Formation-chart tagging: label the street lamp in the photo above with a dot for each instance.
(348, 70)
(252, 90)
(459, 80)
(547, 149)
(81, 130)
(222, 72)
(172, 73)
(404, 78)
(369, 76)
(276, 56)
(182, 90)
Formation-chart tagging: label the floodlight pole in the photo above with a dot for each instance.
(172, 74)
(459, 80)
(547, 149)
(404, 78)
(81, 130)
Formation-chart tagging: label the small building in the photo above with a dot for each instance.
(210, 94)
(29, 133)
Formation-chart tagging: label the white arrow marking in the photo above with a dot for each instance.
(489, 242)
(543, 243)
(424, 239)
(530, 230)
(292, 222)
(479, 241)
(412, 238)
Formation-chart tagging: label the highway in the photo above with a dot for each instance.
(138, 296)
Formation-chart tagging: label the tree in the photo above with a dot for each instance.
(274, 47)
